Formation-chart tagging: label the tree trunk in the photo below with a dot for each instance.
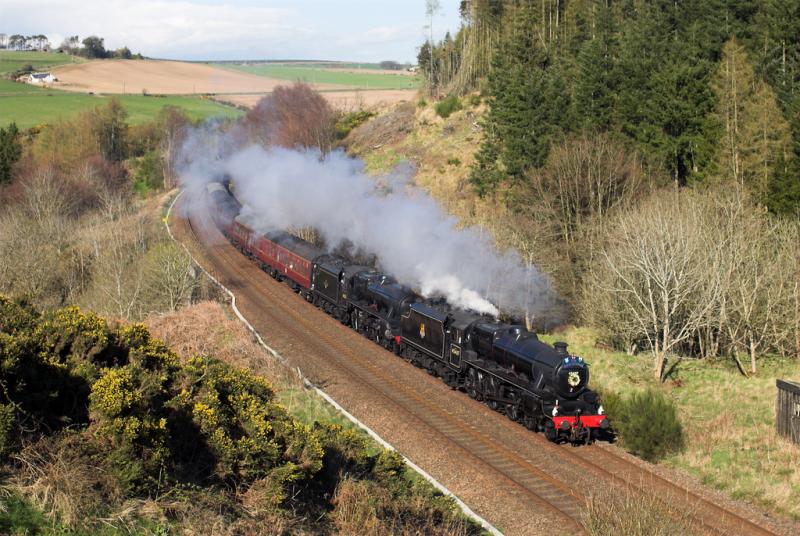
(739, 363)
(658, 364)
(752, 353)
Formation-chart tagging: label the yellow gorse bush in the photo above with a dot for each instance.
(115, 392)
(70, 331)
(157, 423)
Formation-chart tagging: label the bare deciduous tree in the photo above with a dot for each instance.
(294, 117)
(649, 266)
(118, 247)
(170, 277)
(36, 235)
(705, 273)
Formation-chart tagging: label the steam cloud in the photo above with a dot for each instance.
(414, 240)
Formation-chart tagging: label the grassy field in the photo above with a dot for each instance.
(11, 60)
(729, 420)
(311, 64)
(316, 75)
(29, 106)
(10, 88)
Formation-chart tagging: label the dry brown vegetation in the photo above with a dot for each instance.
(688, 273)
(292, 117)
(636, 515)
(72, 230)
(346, 101)
(208, 328)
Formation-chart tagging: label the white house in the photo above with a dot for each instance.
(41, 78)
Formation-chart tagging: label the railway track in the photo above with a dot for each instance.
(518, 465)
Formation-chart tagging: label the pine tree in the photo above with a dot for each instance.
(10, 152)
(783, 195)
(754, 133)
(519, 118)
(596, 86)
(665, 97)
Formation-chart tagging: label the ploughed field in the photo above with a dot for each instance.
(514, 478)
(160, 77)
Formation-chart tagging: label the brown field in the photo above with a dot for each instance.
(342, 100)
(162, 77)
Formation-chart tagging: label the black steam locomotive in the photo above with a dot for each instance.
(541, 386)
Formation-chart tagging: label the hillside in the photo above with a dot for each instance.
(13, 61)
(442, 151)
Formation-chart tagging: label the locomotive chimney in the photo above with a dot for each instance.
(561, 348)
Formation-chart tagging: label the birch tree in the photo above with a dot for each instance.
(649, 267)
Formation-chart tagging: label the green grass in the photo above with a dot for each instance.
(315, 75)
(30, 106)
(11, 61)
(9, 87)
(728, 420)
(18, 517)
(311, 64)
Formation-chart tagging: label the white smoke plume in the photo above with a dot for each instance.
(413, 239)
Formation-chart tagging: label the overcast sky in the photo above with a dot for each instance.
(359, 30)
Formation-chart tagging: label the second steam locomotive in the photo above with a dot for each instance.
(541, 386)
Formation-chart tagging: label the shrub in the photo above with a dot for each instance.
(635, 515)
(647, 423)
(6, 428)
(247, 433)
(349, 121)
(70, 334)
(448, 105)
(148, 173)
(475, 100)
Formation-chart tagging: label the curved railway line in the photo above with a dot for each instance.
(516, 479)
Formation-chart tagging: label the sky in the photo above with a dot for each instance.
(345, 30)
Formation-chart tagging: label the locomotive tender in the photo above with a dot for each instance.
(541, 386)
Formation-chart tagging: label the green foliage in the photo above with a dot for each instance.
(70, 333)
(447, 106)
(6, 428)
(248, 434)
(31, 106)
(527, 107)
(93, 48)
(148, 173)
(10, 151)
(314, 75)
(351, 120)
(141, 424)
(647, 423)
(783, 194)
(13, 61)
(17, 516)
(110, 128)
(598, 79)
